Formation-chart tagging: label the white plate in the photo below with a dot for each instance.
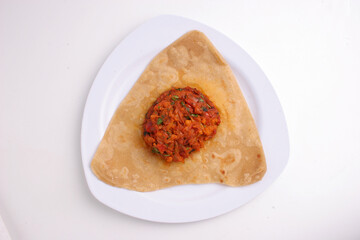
(190, 202)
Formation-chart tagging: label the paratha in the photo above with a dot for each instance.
(234, 156)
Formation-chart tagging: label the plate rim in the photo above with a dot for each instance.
(102, 73)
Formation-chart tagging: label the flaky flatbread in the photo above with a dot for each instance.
(234, 156)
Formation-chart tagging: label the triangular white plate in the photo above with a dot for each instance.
(190, 202)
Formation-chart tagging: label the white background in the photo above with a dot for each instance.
(50, 53)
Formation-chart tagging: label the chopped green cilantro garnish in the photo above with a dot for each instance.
(175, 97)
(155, 150)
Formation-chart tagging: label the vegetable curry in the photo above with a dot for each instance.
(179, 122)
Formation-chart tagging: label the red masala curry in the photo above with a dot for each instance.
(179, 122)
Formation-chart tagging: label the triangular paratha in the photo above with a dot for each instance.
(234, 156)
